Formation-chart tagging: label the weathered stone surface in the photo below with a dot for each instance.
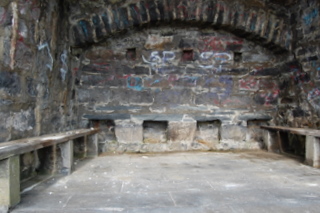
(10, 83)
(208, 134)
(10, 181)
(182, 131)
(155, 132)
(128, 131)
(233, 132)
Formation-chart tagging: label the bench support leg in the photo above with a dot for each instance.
(272, 140)
(92, 145)
(67, 157)
(313, 151)
(10, 181)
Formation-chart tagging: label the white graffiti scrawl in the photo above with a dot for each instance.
(64, 68)
(158, 63)
(215, 60)
(45, 46)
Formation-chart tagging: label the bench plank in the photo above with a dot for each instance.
(21, 146)
(298, 131)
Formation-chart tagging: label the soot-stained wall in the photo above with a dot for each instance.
(174, 73)
(35, 82)
(300, 94)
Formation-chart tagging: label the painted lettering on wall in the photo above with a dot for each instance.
(46, 48)
(134, 83)
(158, 63)
(64, 68)
(250, 84)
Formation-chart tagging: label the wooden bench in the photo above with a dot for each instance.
(312, 154)
(10, 158)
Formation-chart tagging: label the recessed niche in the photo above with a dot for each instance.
(106, 135)
(255, 133)
(237, 57)
(208, 132)
(293, 144)
(155, 131)
(131, 54)
(187, 55)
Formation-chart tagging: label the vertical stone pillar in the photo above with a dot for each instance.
(272, 140)
(67, 157)
(10, 181)
(313, 151)
(92, 145)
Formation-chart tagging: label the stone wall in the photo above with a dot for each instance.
(213, 63)
(36, 86)
(300, 94)
(178, 75)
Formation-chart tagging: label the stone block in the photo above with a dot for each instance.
(155, 131)
(10, 181)
(10, 82)
(128, 131)
(67, 157)
(182, 131)
(92, 145)
(233, 132)
(313, 151)
(208, 133)
(271, 140)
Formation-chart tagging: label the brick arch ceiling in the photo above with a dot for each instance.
(256, 24)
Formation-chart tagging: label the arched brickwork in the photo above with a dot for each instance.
(258, 25)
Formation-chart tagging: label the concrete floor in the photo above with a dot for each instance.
(181, 182)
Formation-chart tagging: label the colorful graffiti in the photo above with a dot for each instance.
(134, 83)
(250, 84)
(309, 17)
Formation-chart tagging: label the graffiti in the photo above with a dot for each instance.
(14, 36)
(314, 94)
(64, 61)
(218, 43)
(250, 84)
(222, 86)
(222, 57)
(134, 83)
(28, 6)
(158, 63)
(215, 60)
(97, 67)
(267, 98)
(45, 46)
(308, 18)
(184, 81)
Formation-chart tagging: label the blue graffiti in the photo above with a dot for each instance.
(310, 17)
(84, 28)
(155, 82)
(134, 83)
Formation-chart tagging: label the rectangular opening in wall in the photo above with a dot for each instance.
(208, 133)
(255, 133)
(131, 54)
(155, 131)
(187, 55)
(293, 144)
(37, 166)
(106, 136)
(237, 57)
